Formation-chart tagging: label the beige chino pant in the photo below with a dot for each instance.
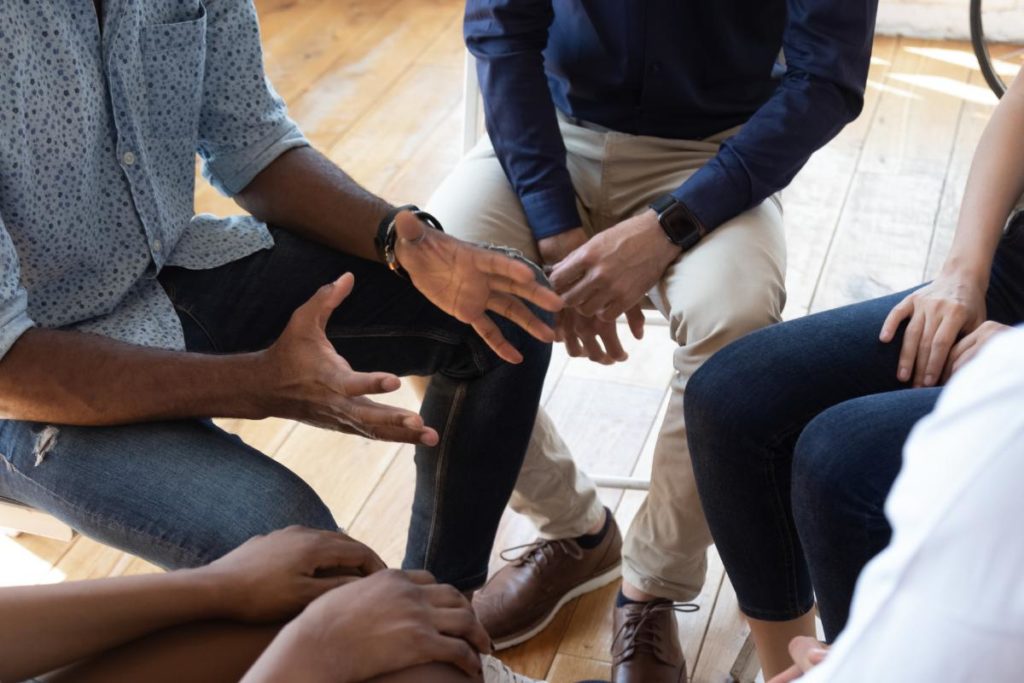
(731, 283)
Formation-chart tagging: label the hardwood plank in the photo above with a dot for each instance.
(882, 240)
(534, 658)
(726, 635)
(814, 200)
(570, 669)
(342, 468)
(973, 120)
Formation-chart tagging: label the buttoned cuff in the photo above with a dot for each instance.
(551, 211)
(231, 172)
(14, 321)
(713, 196)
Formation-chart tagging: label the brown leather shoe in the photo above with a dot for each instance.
(524, 596)
(646, 647)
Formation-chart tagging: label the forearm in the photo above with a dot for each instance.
(304, 192)
(84, 379)
(995, 184)
(46, 627)
(289, 658)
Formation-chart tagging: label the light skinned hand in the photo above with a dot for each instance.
(581, 335)
(938, 313)
(388, 622)
(968, 347)
(467, 281)
(591, 337)
(308, 381)
(615, 269)
(273, 577)
(807, 653)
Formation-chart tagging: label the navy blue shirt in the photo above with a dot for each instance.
(682, 69)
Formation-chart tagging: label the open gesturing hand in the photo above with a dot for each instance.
(308, 381)
(467, 281)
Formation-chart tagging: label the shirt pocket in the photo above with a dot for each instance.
(174, 63)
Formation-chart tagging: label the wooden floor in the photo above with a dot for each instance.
(376, 84)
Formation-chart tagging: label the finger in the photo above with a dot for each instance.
(336, 550)
(458, 652)
(955, 354)
(897, 315)
(386, 423)
(635, 318)
(788, 676)
(573, 346)
(965, 356)
(908, 352)
(493, 337)
(610, 338)
(594, 350)
(462, 623)
(801, 649)
(942, 342)
(497, 263)
(329, 297)
(445, 595)
(361, 383)
(516, 311)
(409, 228)
(569, 270)
(533, 292)
(924, 347)
(420, 577)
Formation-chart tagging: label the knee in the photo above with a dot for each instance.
(827, 466)
(271, 505)
(731, 394)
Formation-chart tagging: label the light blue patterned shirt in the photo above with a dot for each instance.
(98, 137)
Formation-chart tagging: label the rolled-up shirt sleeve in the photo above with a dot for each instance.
(243, 125)
(14, 319)
(827, 46)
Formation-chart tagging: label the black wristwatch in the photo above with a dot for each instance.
(386, 236)
(680, 225)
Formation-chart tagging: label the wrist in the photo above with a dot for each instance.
(966, 271)
(255, 384)
(555, 248)
(658, 238)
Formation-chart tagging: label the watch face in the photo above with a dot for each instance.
(679, 225)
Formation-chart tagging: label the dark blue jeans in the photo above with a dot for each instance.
(183, 493)
(796, 433)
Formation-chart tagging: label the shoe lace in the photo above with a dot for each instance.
(636, 635)
(539, 552)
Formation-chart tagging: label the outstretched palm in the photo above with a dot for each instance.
(467, 281)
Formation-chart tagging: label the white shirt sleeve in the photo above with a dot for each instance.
(945, 601)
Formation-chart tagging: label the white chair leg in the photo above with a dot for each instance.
(470, 105)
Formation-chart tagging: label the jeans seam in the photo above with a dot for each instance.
(442, 459)
(182, 311)
(787, 537)
(96, 519)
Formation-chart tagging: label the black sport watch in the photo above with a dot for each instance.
(680, 225)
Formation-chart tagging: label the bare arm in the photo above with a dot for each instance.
(266, 580)
(953, 305)
(304, 192)
(85, 379)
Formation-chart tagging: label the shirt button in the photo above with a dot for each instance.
(157, 245)
(128, 158)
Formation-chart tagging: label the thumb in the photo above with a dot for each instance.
(329, 297)
(408, 227)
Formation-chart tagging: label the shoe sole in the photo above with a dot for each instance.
(588, 586)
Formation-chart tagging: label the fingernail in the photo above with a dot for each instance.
(904, 374)
(929, 380)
